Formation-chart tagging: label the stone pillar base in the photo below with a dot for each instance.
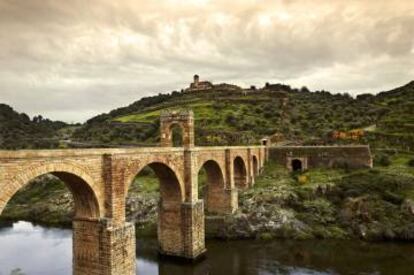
(186, 241)
(251, 182)
(222, 201)
(102, 249)
(193, 229)
(241, 182)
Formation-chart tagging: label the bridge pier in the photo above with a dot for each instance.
(193, 229)
(221, 201)
(181, 230)
(99, 248)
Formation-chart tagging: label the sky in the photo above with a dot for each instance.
(71, 60)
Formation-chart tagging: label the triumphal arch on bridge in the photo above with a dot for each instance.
(103, 241)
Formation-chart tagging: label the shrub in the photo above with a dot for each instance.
(302, 179)
(382, 160)
(411, 162)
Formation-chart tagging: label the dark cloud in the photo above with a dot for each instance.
(72, 59)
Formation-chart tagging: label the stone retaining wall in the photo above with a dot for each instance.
(358, 156)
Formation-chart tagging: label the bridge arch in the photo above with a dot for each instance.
(166, 172)
(170, 233)
(255, 166)
(240, 173)
(85, 192)
(215, 186)
(171, 187)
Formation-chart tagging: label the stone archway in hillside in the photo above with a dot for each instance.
(296, 165)
(214, 190)
(240, 173)
(170, 234)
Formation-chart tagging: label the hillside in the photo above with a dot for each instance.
(244, 117)
(232, 117)
(18, 131)
(395, 128)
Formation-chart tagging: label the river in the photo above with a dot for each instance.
(29, 249)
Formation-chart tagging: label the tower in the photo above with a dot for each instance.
(196, 80)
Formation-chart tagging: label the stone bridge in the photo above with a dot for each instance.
(99, 179)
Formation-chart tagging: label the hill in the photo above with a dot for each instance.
(233, 117)
(18, 131)
(245, 116)
(395, 126)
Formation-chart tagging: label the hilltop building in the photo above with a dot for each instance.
(198, 85)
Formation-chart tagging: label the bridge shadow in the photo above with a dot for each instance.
(232, 259)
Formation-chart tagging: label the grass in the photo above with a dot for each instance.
(225, 118)
(201, 110)
(206, 114)
(145, 184)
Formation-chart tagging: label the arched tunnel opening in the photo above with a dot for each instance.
(296, 165)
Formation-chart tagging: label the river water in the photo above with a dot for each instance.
(29, 249)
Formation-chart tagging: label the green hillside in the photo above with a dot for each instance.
(395, 126)
(244, 117)
(226, 117)
(18, 131)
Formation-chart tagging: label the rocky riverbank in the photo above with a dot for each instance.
(371, 204)
(375, 204)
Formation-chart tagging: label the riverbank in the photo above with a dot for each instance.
(370, 204)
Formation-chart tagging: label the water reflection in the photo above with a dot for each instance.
(35, 250)
(38, 250)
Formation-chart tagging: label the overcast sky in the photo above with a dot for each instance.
(72, 59)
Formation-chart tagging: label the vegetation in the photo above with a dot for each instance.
(373, 204)
(232, 117)
(18, 131)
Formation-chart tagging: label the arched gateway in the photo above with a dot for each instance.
(103, 242)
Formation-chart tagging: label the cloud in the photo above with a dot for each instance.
(72, 59)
